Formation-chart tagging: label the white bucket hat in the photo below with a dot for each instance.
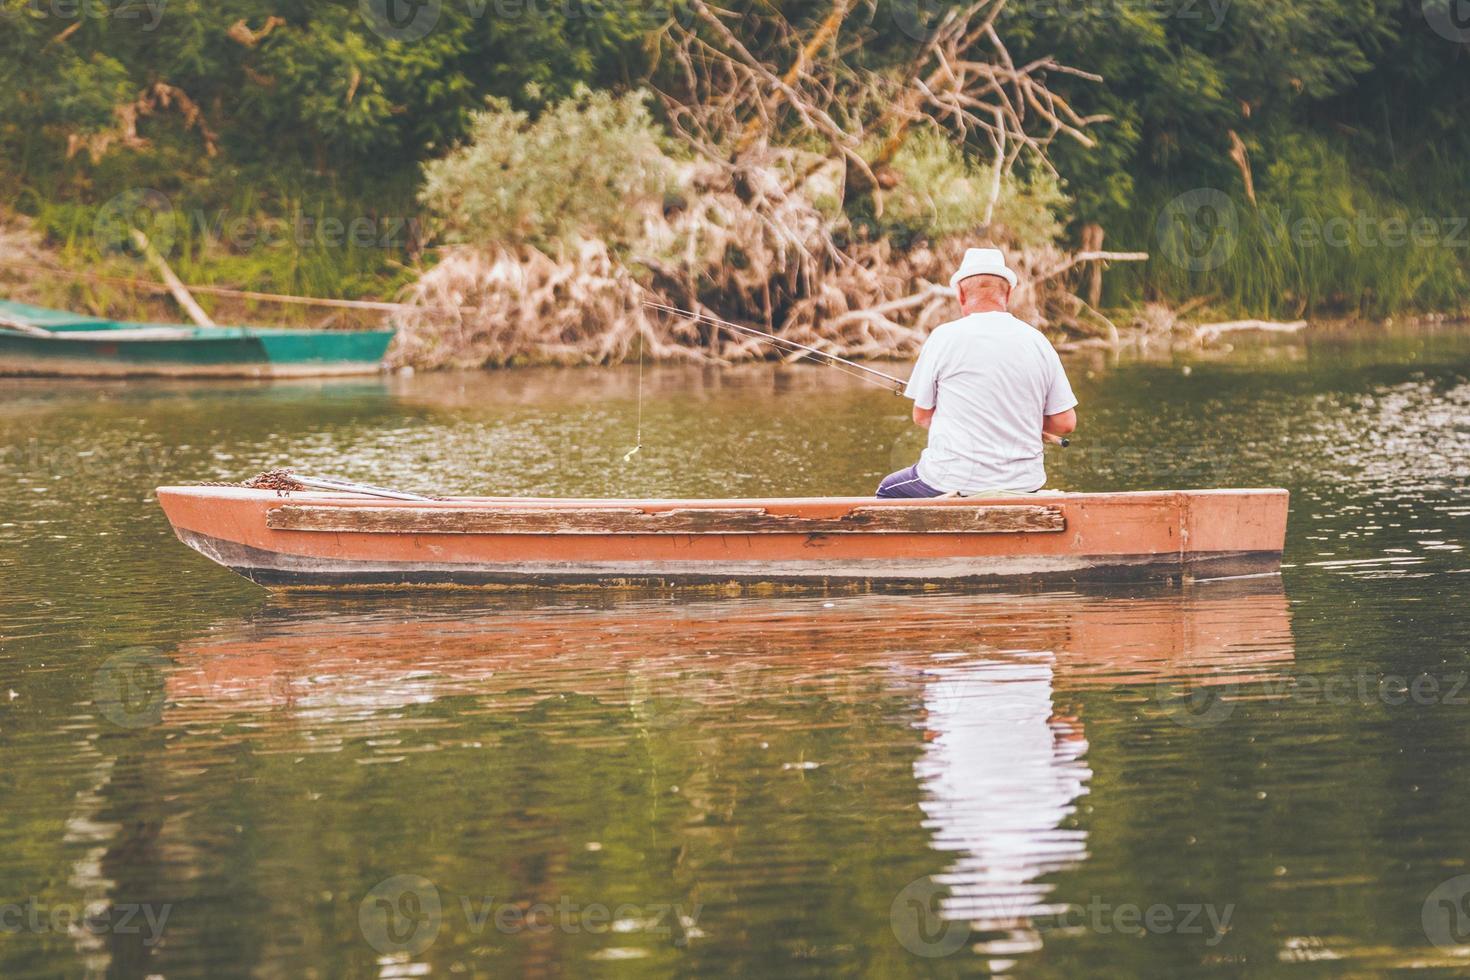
(982, 262)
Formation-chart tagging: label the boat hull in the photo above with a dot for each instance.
(241, 356)
(81, 346)
(314, 540)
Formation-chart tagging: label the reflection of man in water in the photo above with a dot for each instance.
(1000, 775)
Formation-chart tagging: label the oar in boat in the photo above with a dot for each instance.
(345, 486)
(20, 326)
(872, 375)
(289, 481)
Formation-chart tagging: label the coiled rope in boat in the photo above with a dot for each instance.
(288, 481)
(280, 481)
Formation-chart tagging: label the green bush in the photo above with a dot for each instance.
(942, 192)
(579, 170)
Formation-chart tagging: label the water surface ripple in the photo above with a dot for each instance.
(1253, 777)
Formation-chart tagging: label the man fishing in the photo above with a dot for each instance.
(989, 388)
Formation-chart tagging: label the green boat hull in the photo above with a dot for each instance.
(63, 344)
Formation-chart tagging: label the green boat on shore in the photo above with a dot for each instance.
(39, 341)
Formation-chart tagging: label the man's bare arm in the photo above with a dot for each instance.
(923, 416)
(1061, 424)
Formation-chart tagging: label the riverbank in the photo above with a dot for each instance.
(486, 310)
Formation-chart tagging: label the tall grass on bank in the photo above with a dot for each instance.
(272, 238)
(1320, 240)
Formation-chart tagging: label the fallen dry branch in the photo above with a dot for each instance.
(777, 117)
(733, 102)
(1210, 332)
(1082, 258)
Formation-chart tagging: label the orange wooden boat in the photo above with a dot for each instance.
(334, 540)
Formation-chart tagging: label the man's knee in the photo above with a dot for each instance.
(885, 486)
(904, 483)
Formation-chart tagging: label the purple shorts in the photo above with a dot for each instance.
(906, 484)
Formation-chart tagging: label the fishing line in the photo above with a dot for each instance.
(639, 437)
(868, 374)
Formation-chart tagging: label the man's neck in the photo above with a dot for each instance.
(973, 308)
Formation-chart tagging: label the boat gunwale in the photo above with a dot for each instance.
(1040, 498)
(176, 332)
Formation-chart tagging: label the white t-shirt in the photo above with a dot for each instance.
(992, 378)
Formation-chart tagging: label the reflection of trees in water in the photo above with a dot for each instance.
(120, 882)
(755, 757)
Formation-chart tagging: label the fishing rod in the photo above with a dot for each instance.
(896, 385)
(870, 374)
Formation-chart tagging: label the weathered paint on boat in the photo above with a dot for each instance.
(318, 540)
(92, 347)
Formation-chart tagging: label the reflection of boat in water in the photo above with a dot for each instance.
(591, 644)
(951, 721)
(1102, 636)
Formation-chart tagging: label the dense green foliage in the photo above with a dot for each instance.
(310, 118)
(268, 110)
(579, 169)
(1347, 109)
(941, 190)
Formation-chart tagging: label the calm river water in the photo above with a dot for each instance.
(1264, 777)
